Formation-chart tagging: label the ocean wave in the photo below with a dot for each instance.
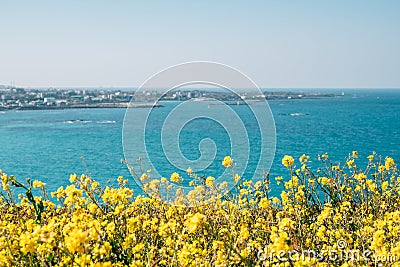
(294, 114)
(77, 121)
(89, 121)
(105, 121)
(298, 114)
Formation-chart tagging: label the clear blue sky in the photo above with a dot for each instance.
(338, 43)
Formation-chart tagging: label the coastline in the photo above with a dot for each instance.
(154, 105)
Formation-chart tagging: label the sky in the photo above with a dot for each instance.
(278, 44)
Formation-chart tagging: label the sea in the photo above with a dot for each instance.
(49, 145)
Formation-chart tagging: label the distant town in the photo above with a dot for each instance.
(12, 98)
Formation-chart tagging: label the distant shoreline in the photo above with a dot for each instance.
(149, 105)
(33, 99)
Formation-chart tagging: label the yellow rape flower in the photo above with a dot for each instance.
(210, 181)
(38, 184)
(264, 203)
(304, 159)
(236, 178)
(95, 185)
(193, 222)
(350, 163)
(287, 161)
(324, 180)
(144, 177)
(385, 185)
(389, 162)
(244, 233)
(175, 178)
(360, 176)
(227, 161)
(72, 178)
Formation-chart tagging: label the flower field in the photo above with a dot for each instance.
(328, 214)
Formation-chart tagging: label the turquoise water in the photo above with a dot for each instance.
(49, 145)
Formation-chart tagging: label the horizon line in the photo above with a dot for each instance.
(133, 87)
